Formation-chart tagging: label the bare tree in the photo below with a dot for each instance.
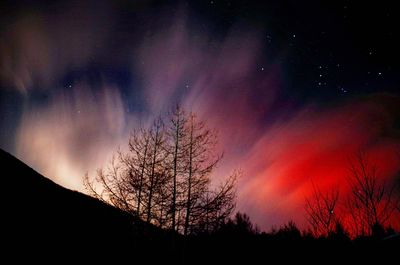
(132, 178)
(397, 202)
(216, 205)
(321, 211)
(176, 132)
(397, 187)
(113, 188)
(371, 203)
(140, 147)
(156, 170)
(200, 162)
(135, 163)
(165, 177)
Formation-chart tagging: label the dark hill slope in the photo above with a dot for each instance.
(43, 216)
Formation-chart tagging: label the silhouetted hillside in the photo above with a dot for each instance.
(43, 215)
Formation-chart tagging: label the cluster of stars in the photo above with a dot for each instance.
(317, 57)
(321, 76)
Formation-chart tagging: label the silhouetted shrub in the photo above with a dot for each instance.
(289, 231)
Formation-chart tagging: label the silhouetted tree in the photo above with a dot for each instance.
(132, 180)
(288, 231)
(200, 160)
(397, 187)
(371, 202)
(112, 186)
(215, 206)
(397, 196)
(339, 233)
(165, 177)
(238, 226)
(176, 132)
(156, 169)
(321, 211)
(136, 164)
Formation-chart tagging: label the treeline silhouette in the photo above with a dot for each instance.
(239, 240)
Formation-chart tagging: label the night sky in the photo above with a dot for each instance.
(293, 87)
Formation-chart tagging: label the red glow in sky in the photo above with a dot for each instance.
(316, 147)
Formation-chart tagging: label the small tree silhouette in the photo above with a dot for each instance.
(339, 234)
(288, 232)
(239, 226)
(321, 211)
(371, 202)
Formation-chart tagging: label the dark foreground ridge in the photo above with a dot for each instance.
(43, 220)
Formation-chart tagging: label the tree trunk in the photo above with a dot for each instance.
(141, 177)
(175, 173)
(189, 199)
(153, 165)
